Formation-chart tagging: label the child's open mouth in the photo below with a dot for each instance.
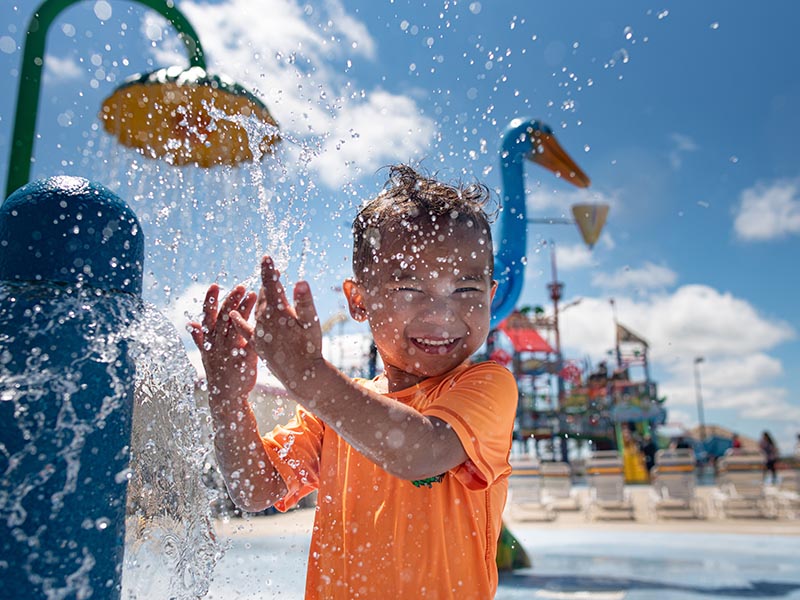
(435, 346)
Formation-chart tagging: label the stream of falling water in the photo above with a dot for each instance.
(204, 225)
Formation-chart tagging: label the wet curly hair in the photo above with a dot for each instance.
(410, 199)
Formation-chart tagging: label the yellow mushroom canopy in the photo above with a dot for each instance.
(165, 114)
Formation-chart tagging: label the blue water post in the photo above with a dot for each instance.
(71, 264)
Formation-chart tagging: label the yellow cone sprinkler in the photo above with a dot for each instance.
(166, 114)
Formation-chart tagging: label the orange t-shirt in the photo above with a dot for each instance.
(378, 536)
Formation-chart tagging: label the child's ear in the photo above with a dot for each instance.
(494, 290)
(355, 300)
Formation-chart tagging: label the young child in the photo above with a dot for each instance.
(411, 467)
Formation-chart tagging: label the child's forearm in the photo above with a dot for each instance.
(252, 481)
(398, 438)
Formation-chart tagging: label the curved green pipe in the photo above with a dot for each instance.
(19, 164)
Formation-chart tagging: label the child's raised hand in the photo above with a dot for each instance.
(229, 362)
(288, 338)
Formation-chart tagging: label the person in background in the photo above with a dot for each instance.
(649, 449)
(770, 450)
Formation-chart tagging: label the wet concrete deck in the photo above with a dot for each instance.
(573, 558)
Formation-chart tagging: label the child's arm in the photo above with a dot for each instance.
(230, 366)
(401, 440)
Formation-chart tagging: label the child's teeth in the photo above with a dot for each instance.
(435, 342)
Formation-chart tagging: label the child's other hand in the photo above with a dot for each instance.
(229, 362)
(288, 338)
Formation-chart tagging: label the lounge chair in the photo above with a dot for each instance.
(525, 491)
(673, 483)
(608, 498)
(557, 486)
(786, 494)
(740, 488)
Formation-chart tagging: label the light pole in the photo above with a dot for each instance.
(699, 395)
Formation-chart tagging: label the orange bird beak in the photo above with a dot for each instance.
(548, 153)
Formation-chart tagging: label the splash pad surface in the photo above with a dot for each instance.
(683, 560)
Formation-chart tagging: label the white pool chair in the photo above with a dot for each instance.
(557, 486)
(526, 502)
(673, 485)
(786, 494)
(608, 498)
(740, 490)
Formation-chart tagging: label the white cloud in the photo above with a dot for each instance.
(768, 211)
(60, 69)
(573, 257)
(366, 136)
(296, 57)
(355, 32)
(682, 144)
(649, 276)
(697, 320)
(348, 352)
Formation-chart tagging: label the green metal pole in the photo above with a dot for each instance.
(19, 165)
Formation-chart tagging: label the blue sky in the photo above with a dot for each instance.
(683, 114)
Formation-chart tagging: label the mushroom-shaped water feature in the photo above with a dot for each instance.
(165, 114)
(189, 117)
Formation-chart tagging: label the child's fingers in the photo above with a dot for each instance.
(196, 331)
(232, 300)
(210, 307)
(304, 305)
(241, 325)
(274, 293)
(246, 305)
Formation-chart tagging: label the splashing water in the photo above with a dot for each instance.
(171, 547)
(62, 349)
(257, 130)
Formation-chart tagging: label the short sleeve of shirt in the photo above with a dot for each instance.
(294, 451)
(480, 406)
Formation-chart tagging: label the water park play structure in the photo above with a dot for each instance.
(599, 406)
(72, 254)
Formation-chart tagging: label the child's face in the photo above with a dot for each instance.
(428, 300)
